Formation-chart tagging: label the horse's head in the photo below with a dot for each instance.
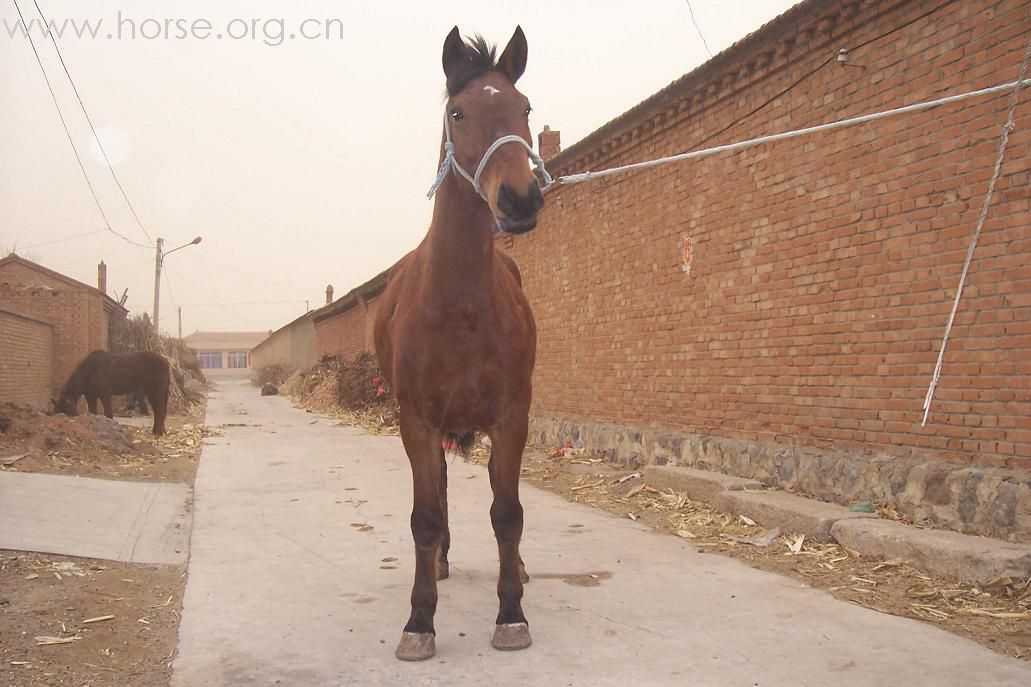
(483, 106)
(65, 404)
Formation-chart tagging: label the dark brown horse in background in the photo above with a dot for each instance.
(102, 375)
(454, 333)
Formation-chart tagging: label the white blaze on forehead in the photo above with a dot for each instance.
(490, 89)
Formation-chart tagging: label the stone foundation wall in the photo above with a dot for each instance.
(989, 501)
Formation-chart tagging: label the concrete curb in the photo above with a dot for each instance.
(962, 557)
(698, 485)
(792, 514)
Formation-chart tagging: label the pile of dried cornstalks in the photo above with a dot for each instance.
(355, 392)
(136, 333)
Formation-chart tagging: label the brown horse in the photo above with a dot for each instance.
(454, 333)
(102, 375)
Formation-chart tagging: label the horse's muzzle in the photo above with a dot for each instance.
(520, 211)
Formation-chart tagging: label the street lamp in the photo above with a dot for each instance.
(159, 259)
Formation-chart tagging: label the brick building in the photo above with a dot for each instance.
(41, 306)
(777, 312)
(26, 358)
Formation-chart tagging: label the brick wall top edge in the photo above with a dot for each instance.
(775, 44)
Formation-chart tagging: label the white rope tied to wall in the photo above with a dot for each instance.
(1003, 141)
(830, 126)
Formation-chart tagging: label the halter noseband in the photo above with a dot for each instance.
(451, 163)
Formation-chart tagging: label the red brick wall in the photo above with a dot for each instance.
(78, 315)
(347, 334)
(25, 359)
(823, 269)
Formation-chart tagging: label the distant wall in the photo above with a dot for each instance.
(293, 347)
(26, 354)
(346, 334)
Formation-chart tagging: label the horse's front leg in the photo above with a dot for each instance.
(91, 404)
(506, 515)
(423, 448)
(109, 411)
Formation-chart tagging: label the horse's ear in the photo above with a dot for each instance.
(513, 60)
(455, 52)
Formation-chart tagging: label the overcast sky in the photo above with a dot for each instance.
(300, 162)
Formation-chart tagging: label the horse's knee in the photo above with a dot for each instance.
(507, 519)
(427, 527)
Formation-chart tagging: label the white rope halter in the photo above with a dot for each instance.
(451, 163)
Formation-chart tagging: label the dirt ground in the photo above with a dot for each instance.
(93, 446)
(82, 622)
(48, 601)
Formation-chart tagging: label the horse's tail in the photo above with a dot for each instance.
(459, 442)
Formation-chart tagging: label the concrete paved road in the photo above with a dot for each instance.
(288, 586)
(134, 522)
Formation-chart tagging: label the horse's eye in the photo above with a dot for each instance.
(456, 114)
(528, 110)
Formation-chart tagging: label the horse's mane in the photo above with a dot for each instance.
(481, 57)
(77, 377)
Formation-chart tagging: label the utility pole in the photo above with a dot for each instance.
(180, 321)
(158, 257)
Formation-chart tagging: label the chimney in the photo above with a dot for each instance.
(329, 294)
(549, 143)
(102, 277)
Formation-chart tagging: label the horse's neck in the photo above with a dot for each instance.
(459, 247)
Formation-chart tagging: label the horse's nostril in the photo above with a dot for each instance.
(519, 207)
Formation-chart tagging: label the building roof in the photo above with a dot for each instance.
(288, 325)
(223, 340)
(370, 289)
(719, 77)
(109, 303)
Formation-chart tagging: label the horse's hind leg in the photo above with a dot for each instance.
(443, 566)
(506, 514)
(423, 448)
(158, 397)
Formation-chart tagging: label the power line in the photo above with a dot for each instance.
(90, 121)
(815, 69)
(68, 133)
(263, 280)
(690, 11)
(65, 239)
(208, 305)
(223, 306)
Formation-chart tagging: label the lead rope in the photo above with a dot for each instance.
(1004, 139)
(450, 162)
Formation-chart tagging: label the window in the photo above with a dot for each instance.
(236, 359)
(210, 360)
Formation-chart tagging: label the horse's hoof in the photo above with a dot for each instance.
(511, 637)
(443, 570)
(416, 646)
